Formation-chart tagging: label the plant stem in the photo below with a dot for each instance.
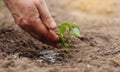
(69, 40)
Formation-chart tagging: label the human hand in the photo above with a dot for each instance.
(33, 16)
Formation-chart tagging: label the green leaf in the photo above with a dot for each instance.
(62, 31)
(76, 31)
(62, 28)
(68, 27)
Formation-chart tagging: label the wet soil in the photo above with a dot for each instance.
(98, 50)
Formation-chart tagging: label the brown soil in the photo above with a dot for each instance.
(98, 50)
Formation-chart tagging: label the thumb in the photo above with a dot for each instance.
(45, 15)
(48, 21)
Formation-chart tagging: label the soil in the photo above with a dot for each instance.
(98, 50)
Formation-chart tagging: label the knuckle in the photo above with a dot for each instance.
(48, 18)
(26, 22)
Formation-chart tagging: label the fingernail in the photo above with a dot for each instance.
(52, 24)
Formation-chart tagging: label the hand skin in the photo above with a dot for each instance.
(33, 17)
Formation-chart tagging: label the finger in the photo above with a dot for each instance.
(43, 40)
(52, 35)
(51, 38)
(52, 44)
(44, 34)
(45, 14)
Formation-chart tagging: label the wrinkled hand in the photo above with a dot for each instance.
(34, 17)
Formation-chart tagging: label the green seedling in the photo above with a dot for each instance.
(71, 31)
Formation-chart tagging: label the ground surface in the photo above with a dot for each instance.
(97, 51)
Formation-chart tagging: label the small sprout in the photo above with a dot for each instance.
(72, 31)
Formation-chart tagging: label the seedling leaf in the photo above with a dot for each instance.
(69, 27)
(76, 31)
(62, 31)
